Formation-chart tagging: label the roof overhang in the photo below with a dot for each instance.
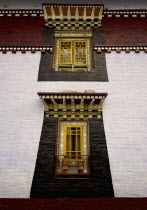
(71, 17)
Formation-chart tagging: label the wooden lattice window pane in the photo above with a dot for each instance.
(73, 141)
(80, 53)
(65, 52)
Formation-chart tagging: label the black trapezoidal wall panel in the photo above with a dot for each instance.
(45, 185)
(98, 73)
(47, 73)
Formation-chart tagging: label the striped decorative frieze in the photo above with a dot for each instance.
(72, 105)
(25, 49)
(19, 13)
(106, 13)
(125, 13)
(118, 49)
(73, 17)
(98, 48)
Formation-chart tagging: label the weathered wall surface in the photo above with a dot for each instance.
(125, 109)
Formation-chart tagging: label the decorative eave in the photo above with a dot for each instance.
(21, 13)
(24, 49)
(98, 49)
(73, 105)
(72, 17)
(125, 13)
(120, 48)
(40, 12)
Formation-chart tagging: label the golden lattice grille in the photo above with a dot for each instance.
(65, 53)
(72, 53)
(72, 141)
(80, 53)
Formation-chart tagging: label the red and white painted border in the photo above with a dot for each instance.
(106, 13)
(125, 13)
(19, 13)
(99, 49)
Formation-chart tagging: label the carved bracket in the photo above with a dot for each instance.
(73, 105)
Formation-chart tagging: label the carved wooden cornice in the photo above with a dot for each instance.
(73, 105)
(73, 17)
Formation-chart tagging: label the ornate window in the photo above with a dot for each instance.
(73, 26)
(73, 110)
(73, 142)
(72, 55)
(73, 149)
(73, 51)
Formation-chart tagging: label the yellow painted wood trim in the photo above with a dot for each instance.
(76, 134)
(80, 64)
(59, 53)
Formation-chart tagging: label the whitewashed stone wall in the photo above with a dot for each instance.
(125, 110)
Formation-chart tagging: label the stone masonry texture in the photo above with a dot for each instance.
(48, 34)
(46, 186)
(98, 36)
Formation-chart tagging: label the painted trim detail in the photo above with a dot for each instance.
(125, 13)
(106, 13)
(73, 17)
(71, 106)
(98, 48)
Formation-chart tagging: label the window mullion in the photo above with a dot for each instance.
(70, 144)
(73, 54)
(81, 140)
(65, 140)
(76, 144)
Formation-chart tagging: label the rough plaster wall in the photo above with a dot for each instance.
(21, 117)
(125, 121)
(124, 113)
(35, 4)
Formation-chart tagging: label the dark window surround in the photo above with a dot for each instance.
(70, 176)
(47, 73)
(44, 184)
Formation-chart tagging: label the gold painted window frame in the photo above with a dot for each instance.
(75, 49)
(85, 149)
(60, 52)
(72, 49)
(76, 36)
(85, 136)
(67, 132)
(73, 54)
